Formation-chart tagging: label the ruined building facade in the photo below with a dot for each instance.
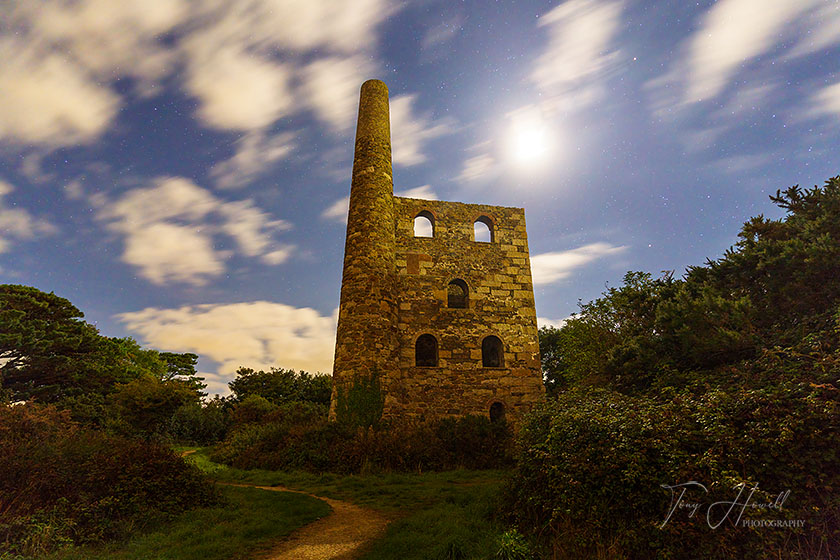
(446, 321)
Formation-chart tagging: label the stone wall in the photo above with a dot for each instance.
(500, 302)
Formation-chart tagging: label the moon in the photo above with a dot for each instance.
(531, 139)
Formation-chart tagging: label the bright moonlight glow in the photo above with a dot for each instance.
(531, 141)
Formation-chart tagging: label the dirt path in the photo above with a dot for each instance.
(339, 536)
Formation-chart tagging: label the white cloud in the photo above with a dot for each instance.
(423, 192)
(742, 162)
(64, 56)
(736, 34)
(46, 98)
(170, 230)
(410, 132)
(17, 223)
(477, 167)
(547, 268)
(826, 101)
(441, 34)
(556, 323)
(579, 51)
(233, 66)
(822, 30)
(331, 89)
(337, 210)
(58, 65)
(255, 153)
(257, 334)
(237, 89)
(167, 253)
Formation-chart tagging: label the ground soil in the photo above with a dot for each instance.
(342, 535)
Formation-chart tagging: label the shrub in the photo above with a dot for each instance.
(298, 436)
(200, 424)
(251, 409)
(62, 483)
(592, 464)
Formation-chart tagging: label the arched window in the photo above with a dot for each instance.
(424, 224)
(457, 294)
(426, 351)
(492, 354)
(497, 412)
(483, 230)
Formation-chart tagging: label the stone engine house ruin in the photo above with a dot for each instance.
(436, 297)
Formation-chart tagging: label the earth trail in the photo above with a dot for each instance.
(342, 535)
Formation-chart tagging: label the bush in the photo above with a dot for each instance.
(199, 424)
(592, 464)
(61, 483)
(298, 436)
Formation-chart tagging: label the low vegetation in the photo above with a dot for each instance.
(436, 515)
(61, 483)
(247, 523)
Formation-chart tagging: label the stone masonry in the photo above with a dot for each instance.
(447, 322)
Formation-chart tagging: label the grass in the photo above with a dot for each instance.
(249, 523)
(438, 515)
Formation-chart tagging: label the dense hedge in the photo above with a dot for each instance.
(298, 436)
(61, 483)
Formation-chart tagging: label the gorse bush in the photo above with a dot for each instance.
(61, 483)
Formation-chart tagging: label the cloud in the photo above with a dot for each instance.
(45, 98)
(60, 58)
(255, 153)
(547, 268)
(743, 162)
(331, 89)
(733, 36)
(423, 192)
(826, 101)
(555, 323)
(170, 230)
(171, 253)
(337, 211)
(257, 334)
(236, 89)
(235, 72)
(441, 34)
(732, 33)
(579, 51)
(17, 223)
(477, 167)
(243, 61)
(410, 132)
(106, 37)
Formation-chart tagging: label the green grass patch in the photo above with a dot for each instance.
(436, 515)
(251, 521)
(384, 492)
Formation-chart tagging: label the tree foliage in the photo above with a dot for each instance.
(730, 374)
(49, 354)
(280, 385)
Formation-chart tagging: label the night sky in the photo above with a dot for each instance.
(179, 170)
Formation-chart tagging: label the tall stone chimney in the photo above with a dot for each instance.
(366, 334)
